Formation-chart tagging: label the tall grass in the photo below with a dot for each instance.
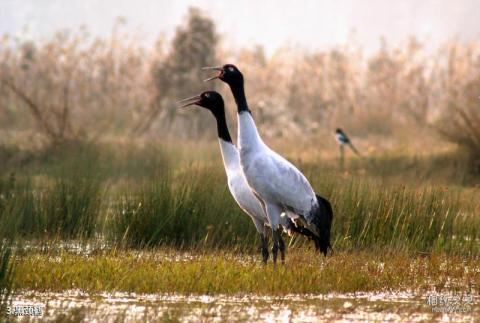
(424, 219)
(6, 273)
(6, 266)
(225, 273)
(371, 214)
(196, 208)
(66, 208)
(188, 210)
(148, 201)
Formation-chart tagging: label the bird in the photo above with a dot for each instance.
(343, 139)
(280, 187)
(237, 183)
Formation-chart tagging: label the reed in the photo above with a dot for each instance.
(65, 208)
(6, 256)
(6, 273)
(191, 209)
(150, 200)
(115, 87)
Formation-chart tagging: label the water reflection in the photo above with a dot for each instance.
(74, 305)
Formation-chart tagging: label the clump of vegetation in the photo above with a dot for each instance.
(6, 257)
(195, 208)
(165, 271)
(69, 208)
(371, 214)
(188, 210)
(66, 208)
(6, 273)
(179, 75)
(423, 219)
(147, 200)
(77, 88)
(94, 149)
(460, 104)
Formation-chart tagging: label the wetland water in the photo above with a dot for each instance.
(74, 305)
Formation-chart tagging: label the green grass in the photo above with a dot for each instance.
(6, 273)
(150, 221)
(6, 267)
(368, 214)
(135, 199)
(447, 168)
(64, 207)
(168, 271)
(193, 208)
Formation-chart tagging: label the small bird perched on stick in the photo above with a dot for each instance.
(343, 139)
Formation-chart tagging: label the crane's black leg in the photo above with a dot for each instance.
(274, 213)
(281, 246)
(264, 247)
(275, 234)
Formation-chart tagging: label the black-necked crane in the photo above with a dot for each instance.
(237, 183)
(279, 185)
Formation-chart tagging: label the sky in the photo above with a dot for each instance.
(307, 24)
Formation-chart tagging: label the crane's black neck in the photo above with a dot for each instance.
(239, 95)
(222, 128)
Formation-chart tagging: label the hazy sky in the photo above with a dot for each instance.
(272, 23)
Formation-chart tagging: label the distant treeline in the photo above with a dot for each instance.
(73, 87)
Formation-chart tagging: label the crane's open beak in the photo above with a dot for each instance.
(190, 101)
(218, 68)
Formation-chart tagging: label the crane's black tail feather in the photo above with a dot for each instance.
(323, 222)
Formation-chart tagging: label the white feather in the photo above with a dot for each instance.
(280, 184)
(238, 186)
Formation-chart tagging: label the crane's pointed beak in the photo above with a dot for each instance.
(212, 68)
(216, 68)
(189, 101)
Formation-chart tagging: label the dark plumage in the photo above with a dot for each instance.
(343, 139)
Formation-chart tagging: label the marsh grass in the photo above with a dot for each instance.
(422, 219)
(445, 169)
(6, 257)
(65, 208)
(95, 116)
(6, 272)
(169, 226)
(164, 271)
(141, 198)
(187, 210)
(196, 209)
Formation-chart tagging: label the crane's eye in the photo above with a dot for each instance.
(207, 95)
(231, 69)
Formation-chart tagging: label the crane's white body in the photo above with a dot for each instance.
(281, 186)
(239, 188)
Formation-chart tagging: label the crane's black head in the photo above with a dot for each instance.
(212, 101)
(339, 131)
(229, 74)
(209, 100)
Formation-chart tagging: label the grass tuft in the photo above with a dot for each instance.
(191, 209)
(168, 271)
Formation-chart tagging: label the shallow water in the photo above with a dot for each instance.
(74, 305)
